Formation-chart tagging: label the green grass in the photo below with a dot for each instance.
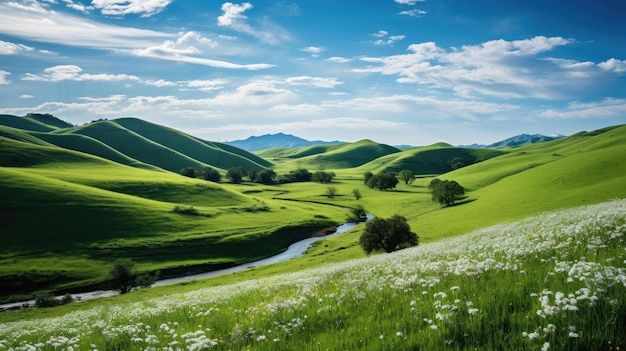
(553, 281)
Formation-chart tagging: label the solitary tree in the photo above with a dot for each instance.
(124, 277)
(235, 174)
(331, 191)
(252, 175)
(446, 192)
(357, 193)
(407, 176)
(389, 235)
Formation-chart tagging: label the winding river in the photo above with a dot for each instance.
(296, 249)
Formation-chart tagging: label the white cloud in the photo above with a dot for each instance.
(413, 13)
(3, 77)
(234, 18)
(72, 72)
(206, 85)
(77, 6)
(159, 83)
(7, 48)
(315, 51)
(339, 59)
(408, 2)
(607, 108)
(38, 23)
(233, 13)
(303, 109)
(124, 7)
(613, 65)
(26, 96)
(383, 39)
(187, 48)
(317, 82)
(497, 68)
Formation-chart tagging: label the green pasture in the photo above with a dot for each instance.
(69, 214)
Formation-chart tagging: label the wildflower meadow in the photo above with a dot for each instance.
(555, 281)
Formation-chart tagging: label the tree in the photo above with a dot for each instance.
(235, 174)
(367, 176)
(252, 175)
(124, 277)
(188, 172)
(323, 177)
(211, 174)
(446, 192)
(456, 163)
(331, 192)
(407, 176)
(357, 193)
(388, 235)
(357, 214)
(382, 181)
(266, 176)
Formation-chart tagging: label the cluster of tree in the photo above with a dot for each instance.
(446, 192)
(380, 181)
(266, 176)
(124, 277)
(387, 234)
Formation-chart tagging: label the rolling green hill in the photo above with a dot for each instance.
(130, 141)
(66, 215)
(338, 156)
(433, 159)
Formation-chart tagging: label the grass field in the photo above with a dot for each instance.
(556, 281)
(70, 214)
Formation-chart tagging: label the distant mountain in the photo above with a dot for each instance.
(273, 141)
(518, 140)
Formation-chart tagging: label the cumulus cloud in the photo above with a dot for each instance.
(146, 8)
(7, 48)
(317, 82)
(72, 72)
(613, 65)
(233, 14)
(78, 6)
(499, 68)
(384, 39)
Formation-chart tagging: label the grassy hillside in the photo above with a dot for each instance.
(434, 159)
(214, 154)
(550, 282)
(67, 215)
(38, 123)
(339, 156)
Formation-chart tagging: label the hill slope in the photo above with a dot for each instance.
(130, 141)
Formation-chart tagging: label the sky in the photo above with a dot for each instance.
(410, 72)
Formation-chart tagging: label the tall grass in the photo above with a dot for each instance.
(555, 281)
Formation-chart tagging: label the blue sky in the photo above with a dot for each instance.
(394, 71)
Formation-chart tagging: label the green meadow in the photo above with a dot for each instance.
(539, 229)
